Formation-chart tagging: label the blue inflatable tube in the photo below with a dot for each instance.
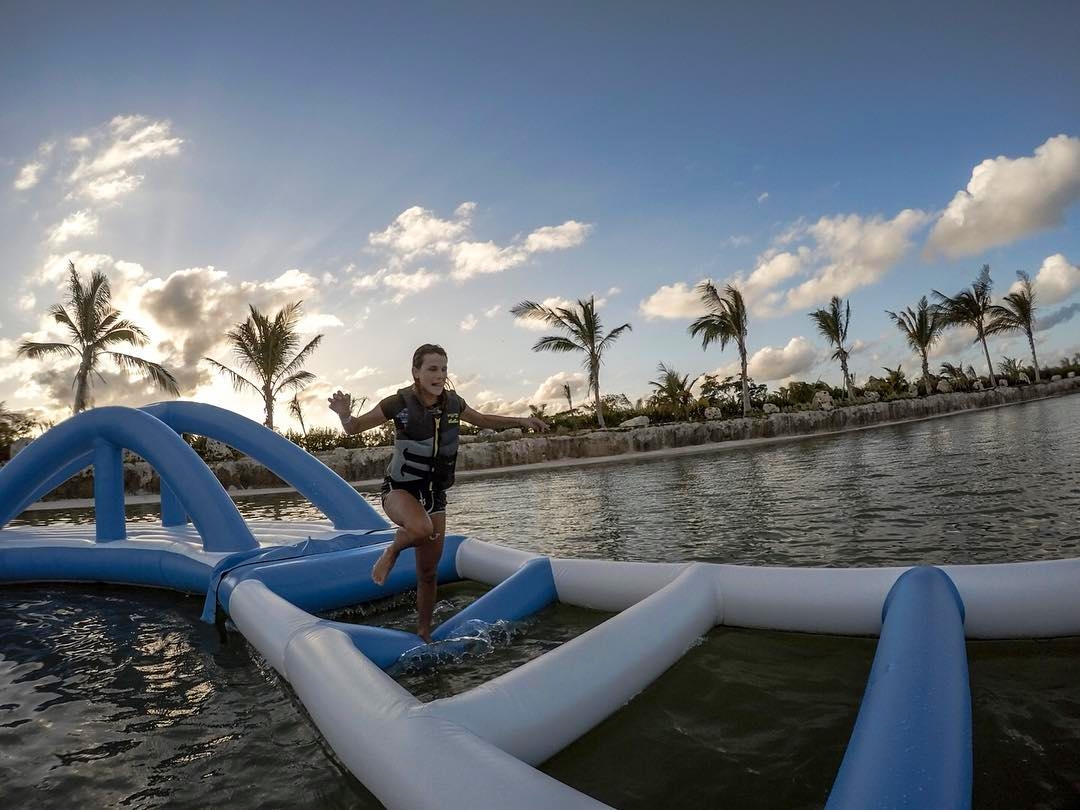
(333, 496)
(911, 746)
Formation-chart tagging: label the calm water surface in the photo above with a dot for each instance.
(120, 697)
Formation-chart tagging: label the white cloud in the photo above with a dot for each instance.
(469, 323)
(28, 177)
(108, 187)
(27, 302)
(495, 310)
(80, 143)
(363, 373)
(1007, 199)
(853, 252)
(763, 196)
(418, 234)
(315, 322)
(81, 223)
(134, 139)
(676, 300)
(1056, 280)
(557, 237)
(738, 240)
(769, 363)
(840, 254)
(408, 283)
(479, 258)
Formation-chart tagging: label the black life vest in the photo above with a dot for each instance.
(426, 441)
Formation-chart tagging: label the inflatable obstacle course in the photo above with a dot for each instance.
(911, 745)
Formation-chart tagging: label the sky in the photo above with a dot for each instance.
(411, 171)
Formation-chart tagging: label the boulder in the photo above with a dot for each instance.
(1071, 374)
(510, 433)
(823, 401)
(977, 385)
(1003, 383)
(217, 451)
(944, 387)
(770, 409)
(637, 421)
(1055, 378)
(913, 390)
(872, 396)
(486, 433)
(714, 413)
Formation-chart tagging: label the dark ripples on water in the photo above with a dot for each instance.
(113, 697)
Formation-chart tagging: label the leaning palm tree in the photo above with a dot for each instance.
(569, 398)
(971, 307)
(725, 321)
(583, 331)
(1017, 314)
(921, 327)
(263, 346)
(672, 389)
(94, 325)
(832, 324)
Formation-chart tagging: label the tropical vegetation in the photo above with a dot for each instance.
(266, 349)
(832, 324)
(725, 321)
(1016, 313)
(972, 308)
(921, 328)
(95, 326)
(582, 332)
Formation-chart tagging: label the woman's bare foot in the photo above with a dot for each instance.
(425, 635)
(381, 570)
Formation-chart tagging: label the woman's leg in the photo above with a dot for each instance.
(415, 529)
(427, 569)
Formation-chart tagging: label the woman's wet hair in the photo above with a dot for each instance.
(427, 348)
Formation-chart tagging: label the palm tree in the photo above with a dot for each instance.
(296, 411)
(94, 326)
(832, 324)
(262, 346)
(725, 321)
(1017, 315)
(921, 327)
(970, 308)
(566, 393)
(958, 375)
(672, 389)
(583, 331)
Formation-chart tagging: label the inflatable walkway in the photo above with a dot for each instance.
(910, 746)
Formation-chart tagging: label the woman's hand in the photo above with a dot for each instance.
(341, 403)
(533, 423)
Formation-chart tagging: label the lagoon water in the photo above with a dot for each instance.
(120, 697)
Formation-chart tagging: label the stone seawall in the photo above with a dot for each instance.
(367, 464)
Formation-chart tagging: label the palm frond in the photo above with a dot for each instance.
(239, 382)
(34, 350)
(155, 372)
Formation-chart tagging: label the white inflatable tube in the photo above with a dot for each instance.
(406, 755)
(542, 706)
(487, 562)
(608, 585)
(1019, 600)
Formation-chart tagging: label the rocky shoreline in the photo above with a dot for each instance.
(510, 449)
